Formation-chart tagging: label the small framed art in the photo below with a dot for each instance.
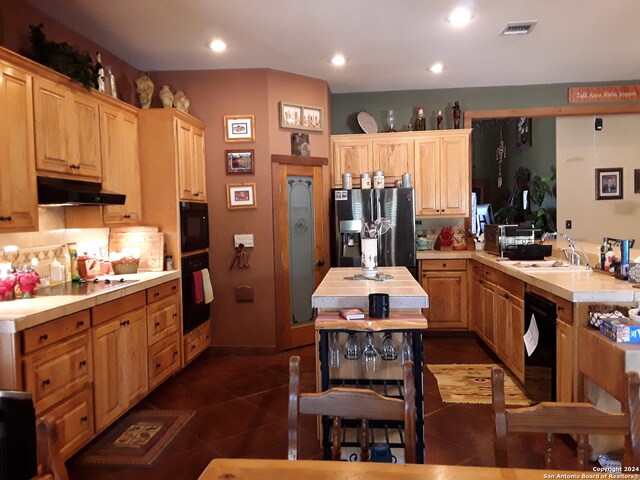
(301, 117)
(524, 138)
(608, 183)
(239, 161)
(239, 128)
(241, 195)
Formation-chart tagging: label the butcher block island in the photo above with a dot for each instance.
(88, 358)
(402, 329)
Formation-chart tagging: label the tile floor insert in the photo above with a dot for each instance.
(241, 411)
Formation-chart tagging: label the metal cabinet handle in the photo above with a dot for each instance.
(320, 263)
(506, 295)
(84, 419)
(444, 265)
(80, 324)
(5, 219)
(44, 337)
(46, 382)
(157, 294)
(196, 194)
(158, 365)
(157, 324)
(175, 315)
(83, 363)
(174, 288)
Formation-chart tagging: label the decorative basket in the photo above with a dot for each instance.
(121, 268)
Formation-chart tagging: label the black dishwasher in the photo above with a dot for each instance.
(540, 366)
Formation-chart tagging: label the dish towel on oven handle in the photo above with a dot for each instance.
(206, 286)
(198, 292)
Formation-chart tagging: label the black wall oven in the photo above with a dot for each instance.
(193, 314)
(194, 226)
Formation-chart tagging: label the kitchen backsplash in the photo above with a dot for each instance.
(431, 227)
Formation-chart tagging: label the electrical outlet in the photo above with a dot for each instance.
(245, 238)
(567, 224)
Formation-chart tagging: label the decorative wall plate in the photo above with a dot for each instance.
(367, 123)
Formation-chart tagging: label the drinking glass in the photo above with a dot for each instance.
(406, 352)
(388, 349)
(370, 356)
(334, 350)
(352, 349)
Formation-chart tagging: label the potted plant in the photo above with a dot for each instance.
(524, 204)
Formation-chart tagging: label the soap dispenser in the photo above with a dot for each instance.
(57, 272)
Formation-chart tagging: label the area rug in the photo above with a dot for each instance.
(137, 439)
(471, 383)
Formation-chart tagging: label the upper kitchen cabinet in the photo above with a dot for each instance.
(120, 162)
(190, 154)
(67, 132)
(18, 197)
(442, 173)
(390, 152)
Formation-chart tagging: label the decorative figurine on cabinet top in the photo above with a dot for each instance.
(439, 120)
(456, 114)
(166, 96)
(181, 101)
(421, 121)
(144, 88)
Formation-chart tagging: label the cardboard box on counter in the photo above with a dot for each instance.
(621, 330)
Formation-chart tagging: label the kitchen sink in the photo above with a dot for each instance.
(553, 266)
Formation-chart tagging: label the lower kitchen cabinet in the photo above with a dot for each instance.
(119, 341)
(74, 422)
(487, 317)
(510, 330)
(196, 341)
(164, 359)
(445, 281)
(564, 361)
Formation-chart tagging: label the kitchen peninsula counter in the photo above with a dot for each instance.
(20, 314)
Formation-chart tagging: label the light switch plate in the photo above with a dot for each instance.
(245, 238)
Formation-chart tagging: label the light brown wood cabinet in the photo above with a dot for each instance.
(18, 196)
(118, 340)
(510, 330)
(442, 167)
(191, 161)
(67, 132)
(197, 341)
(390, 152)
(445, 281)
(120, 163)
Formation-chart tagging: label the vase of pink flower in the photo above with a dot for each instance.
(27, 281)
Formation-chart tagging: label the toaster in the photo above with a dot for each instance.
(499, 238)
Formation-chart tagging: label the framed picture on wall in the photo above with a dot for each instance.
(301, 117)
(608, 183)
(239, 161)
(239, 128)
(523, 134)
(241, 195)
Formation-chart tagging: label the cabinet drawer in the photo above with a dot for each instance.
(564, 310)
(115, 308)
(161, 291)
(164, 359)
(485, 272)
(445, 264)
(74, 422)
(54, 373)
(510, 284)
(196, 341)
(163, 319)
(51, 332)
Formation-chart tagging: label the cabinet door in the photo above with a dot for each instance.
(350, 155)
(515, 346)
(394, 157)
(120, 164)
(488, 315)
(199, 177)
(454, 175)
(164, 359)
(52, 124)
(135, 355)
(502, 324)
(108, 348)
(186, 165)
(564, 362)
(85, 137)
(476, 308)
(163, 319)
(18, 197)
(447, 299)
(427, 152)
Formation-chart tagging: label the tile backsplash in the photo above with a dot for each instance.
(431, 227)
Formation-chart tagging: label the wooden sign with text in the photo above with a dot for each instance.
(614, 93)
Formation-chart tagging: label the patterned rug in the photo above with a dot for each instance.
(137, 439)
(471, 383)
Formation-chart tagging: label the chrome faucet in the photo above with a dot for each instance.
(572, 256)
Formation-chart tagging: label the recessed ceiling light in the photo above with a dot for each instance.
(460, 17)
(218, 46)
(436, 68)
(338, 60)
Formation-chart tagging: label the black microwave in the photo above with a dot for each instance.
(194, 226)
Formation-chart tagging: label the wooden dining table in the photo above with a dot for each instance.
(249, 469)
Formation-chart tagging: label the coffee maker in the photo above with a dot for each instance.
(349, 242)
(625, 246)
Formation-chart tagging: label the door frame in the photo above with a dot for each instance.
(281, 266)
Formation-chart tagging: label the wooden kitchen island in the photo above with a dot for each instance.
(405, 324)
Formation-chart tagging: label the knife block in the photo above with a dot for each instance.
(442, 245)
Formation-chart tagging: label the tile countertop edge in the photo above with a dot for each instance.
(16, 321)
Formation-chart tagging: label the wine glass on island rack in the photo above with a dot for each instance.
(388, 349)
(334, 350)
(352, 349)
(370, 356)
(406, 352)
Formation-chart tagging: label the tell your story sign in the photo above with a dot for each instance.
(613, 93)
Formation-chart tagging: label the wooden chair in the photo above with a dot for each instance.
(580, 418)
(352, 403)
(50, 464)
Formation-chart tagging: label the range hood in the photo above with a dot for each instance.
(57, 192)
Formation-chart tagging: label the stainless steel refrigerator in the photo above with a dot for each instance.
(352, 208)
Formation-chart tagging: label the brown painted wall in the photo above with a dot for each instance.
(17, 15)
(214, 94)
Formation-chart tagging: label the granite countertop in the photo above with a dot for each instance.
(337, 292)
(17, 315)
(576, 285)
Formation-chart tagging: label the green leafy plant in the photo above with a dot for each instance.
(61, 57)
(526, 199)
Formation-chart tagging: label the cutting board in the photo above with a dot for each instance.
(150, 243)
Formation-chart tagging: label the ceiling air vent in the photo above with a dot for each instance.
(518, 28)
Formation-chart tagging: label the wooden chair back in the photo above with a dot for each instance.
(581, 419)
(352, 403)
(50, 464)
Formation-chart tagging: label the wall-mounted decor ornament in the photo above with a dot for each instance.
(300, 145)
(144, 88)
(501, 156)
(166, 96)
(455, 110)
(181, 101)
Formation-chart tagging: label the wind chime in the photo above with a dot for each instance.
(501, 155)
